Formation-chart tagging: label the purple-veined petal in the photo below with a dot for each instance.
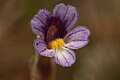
(41, 48)
(67, 15)
(77, 38)
(40, 22)
(65, 57)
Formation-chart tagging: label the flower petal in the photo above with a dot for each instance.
(41, 48)
(65, 57)
(41, 22)
(66, 15)
(77, 38)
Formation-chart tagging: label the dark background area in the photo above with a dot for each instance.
(99, 60)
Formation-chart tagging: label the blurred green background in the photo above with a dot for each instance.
(99, 60)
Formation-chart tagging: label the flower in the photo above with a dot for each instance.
(54, 38)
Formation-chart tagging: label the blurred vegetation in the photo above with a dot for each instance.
(99, 60)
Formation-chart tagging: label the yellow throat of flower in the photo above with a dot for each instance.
(56, 44)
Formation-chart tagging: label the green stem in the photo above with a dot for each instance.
(42, 68)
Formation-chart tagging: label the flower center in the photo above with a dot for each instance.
(57, 44)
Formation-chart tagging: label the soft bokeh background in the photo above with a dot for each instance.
(99, 60)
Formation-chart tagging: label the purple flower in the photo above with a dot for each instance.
(53, 38)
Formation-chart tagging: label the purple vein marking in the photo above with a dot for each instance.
(74, 33)
(65, 14)
(57, 11)
(71, 54)
(42, 50)
(40, 42)
(70, 21)
(58, 60)
(47, 15)
(41, 20)
(38, 29)
(65, 58)
(79, 40)
(62, 20)
(50, 53)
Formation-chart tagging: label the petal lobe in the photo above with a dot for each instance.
(40, 22)
(65, 58)
(41, 48)
(66, 14)
(77, 38)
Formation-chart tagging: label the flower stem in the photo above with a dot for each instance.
(42, 68)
